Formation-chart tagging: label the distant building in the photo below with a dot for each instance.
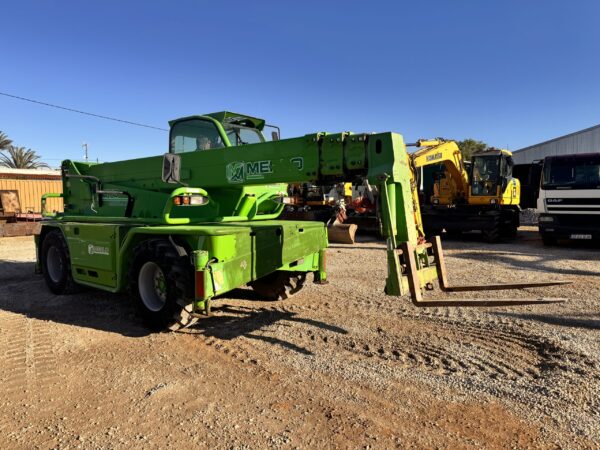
(584, 141)
(21, 190)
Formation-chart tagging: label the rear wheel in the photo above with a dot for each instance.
(509, 231)
(548, 240)
(279, 285)
(160, 283)
(56, 263)
(453, 234)
(510, 224)
(491, 234)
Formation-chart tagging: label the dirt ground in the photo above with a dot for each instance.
(340, 365)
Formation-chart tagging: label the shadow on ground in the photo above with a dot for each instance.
(233, 321)
(15, 272)
(563, 321)
(28, 295)
(540, 263)
(24, 292)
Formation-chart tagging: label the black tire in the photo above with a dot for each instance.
(279, 285)
(548, 240)
(510, 225)
(491, 234)
(171, 308)
(453, 234)
(509, 231)
(56, 263)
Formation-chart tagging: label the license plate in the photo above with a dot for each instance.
(581, 236)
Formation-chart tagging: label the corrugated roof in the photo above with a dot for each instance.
(558, 138)
(29, 171)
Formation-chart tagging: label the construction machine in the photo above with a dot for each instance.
(344, 207)
(180, 229)
(481, 195)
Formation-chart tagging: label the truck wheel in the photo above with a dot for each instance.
(56, 264)
(279, 285)
(491, 234)
(548, 240)
(160, 283)
(509, 231)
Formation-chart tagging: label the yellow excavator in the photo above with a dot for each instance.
(478, 196)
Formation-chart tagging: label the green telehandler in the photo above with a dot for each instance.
(178, 229)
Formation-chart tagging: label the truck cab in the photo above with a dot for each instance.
(569, 200)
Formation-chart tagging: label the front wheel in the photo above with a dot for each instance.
(160, 283)
(491, 234)
(56, 263)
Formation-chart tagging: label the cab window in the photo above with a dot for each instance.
(485, 174)
(194, 135)
(240, 135)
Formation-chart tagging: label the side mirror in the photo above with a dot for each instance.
(274, 135)
(171, 168)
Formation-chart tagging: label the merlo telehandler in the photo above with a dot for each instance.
(483, 196)
(177, 230)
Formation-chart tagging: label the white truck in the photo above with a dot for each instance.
(569, 199)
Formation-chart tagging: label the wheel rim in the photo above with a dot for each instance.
(152, 286)
(54, 264)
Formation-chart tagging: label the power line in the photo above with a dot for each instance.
(82, 112)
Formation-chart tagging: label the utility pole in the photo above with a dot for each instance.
(85, 147)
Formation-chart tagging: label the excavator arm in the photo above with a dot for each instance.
(447, 153)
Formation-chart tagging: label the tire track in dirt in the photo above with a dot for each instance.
(526, 353)
(15, 373)
(245, 326)
(435, 340)
(443, 343)
(12, 369)
(28, 368)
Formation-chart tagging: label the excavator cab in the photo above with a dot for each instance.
(491, 180)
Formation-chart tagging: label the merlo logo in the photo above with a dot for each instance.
(235, 172)
(240, 171)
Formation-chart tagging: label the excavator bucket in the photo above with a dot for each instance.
(438, 255)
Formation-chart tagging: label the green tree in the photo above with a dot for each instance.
(469, 146)
(21, 158)
(5, 142)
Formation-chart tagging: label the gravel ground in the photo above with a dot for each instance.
(340, 365)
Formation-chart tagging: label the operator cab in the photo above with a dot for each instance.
(213, 131)
(490, 169)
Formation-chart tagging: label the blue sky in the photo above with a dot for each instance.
(511, 73)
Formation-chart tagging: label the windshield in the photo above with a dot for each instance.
(485, 174)
(195, 134)
(239, 135)
(572, 172)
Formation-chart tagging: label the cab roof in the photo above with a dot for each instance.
(229, 117)
(492, 151)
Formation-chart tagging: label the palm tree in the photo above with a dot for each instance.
(4, 141)
(21, 158)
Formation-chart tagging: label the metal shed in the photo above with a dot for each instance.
(584, 141)
(30, 184)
